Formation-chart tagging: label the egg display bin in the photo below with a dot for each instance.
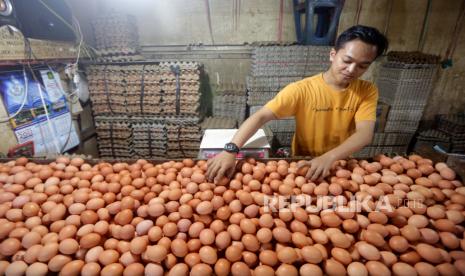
(134, 217)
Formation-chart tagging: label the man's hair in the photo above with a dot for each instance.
(366, 34)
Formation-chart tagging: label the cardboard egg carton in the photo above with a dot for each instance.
(116, 33)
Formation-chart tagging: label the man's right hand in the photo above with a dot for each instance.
(221, 165)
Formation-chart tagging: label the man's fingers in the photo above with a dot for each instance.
(230, 172)
(219, 175)
(311, 171)
(316, 174)
(213, 170)
(303, 164)
(324, 174)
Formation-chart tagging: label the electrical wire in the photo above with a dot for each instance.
(388, 17)
(359, 10)
(50, 125)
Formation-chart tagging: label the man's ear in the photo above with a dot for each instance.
(332, 54)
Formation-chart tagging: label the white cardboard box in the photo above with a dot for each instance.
(214, 140)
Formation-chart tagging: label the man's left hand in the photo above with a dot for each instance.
(319, 167)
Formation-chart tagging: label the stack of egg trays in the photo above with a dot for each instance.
(391, 138)
(189, 85)
(406, 88)
(274, 67)
(370, 151)
(114, 137)
(143, 89)
(228, 105)
(125, 89)
(116, 33)
(149, 138)
(293, 60)
(281, 125)
(218, 123)
(183, 138)
(107, 90)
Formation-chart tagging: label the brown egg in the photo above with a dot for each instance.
(108, 257)
(449, 240)
(429, 253)
(9, 246)
(410, 232)
(282, 235)
(333, 267)
(426, 269)
(398, 244)
(357, 269)
(138, 245)
(447, 269)
(377, 269)
(388, 258)
(340, 240)
(311, 254)
(368, 251)
(200, 270)
(91, 269)
(56, 263)
(72, 268)
(179, 248)
(222, 267)
(137, 269)
(90, 240)
(16, 268)
(233, 253)
(114, 269)
(68, 246)
(31, 239)
(240, 268)
(37, 269)
(403, 269)
(156, 253)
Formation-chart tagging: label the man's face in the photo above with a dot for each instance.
(351, 61)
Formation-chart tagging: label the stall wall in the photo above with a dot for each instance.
(164, 23)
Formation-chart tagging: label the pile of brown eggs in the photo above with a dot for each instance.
(392, 216)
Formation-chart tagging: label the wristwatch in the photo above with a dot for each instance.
(231, 148)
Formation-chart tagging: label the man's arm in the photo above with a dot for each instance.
(224, 163)
(320, 166)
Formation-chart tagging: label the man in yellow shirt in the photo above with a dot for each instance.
(335, 112)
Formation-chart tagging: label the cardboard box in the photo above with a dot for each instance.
(214, 140)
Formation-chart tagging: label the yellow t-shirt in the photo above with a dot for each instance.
(324, 117)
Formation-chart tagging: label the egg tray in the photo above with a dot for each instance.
(232, 89)
(370, 151)
(230, 105)
(218, 123)
(183, 65)
(401, 126)
(289, 60)
(269, 83)
(453, 124)
(281, 125)
(391, 139)
(128, 93)
(412, 57)
(116, 31)
(185, 86)
(404, 96)
(413, 114)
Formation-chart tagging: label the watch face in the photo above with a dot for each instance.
(230, 147)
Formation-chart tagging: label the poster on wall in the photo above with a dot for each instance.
(39, 111)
